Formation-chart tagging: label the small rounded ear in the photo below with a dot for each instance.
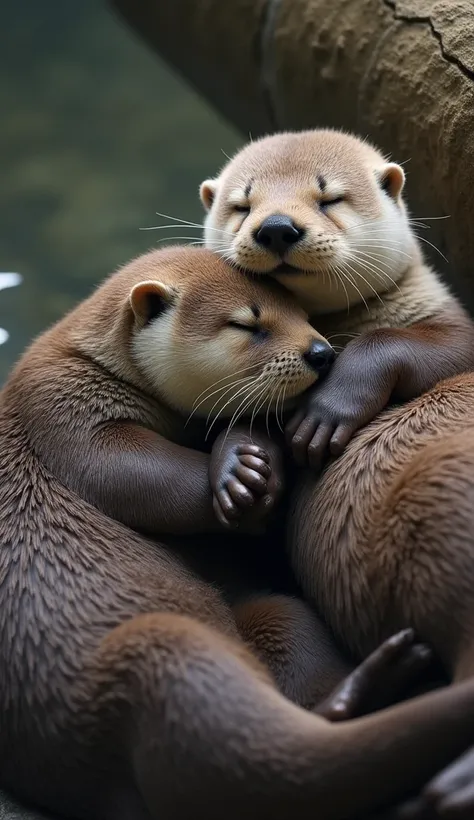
(150, 299)
(207, 192)
(392, 179)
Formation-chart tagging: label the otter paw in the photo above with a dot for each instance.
(314, 434)
(242, 482)
(350, 397)
(449, 796)
(380, 680)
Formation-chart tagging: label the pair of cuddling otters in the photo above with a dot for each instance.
(132, 686)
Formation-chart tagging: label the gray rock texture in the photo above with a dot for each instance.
(399, 71)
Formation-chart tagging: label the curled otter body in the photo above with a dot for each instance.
(127, 690)
(397, 548)
(321, 208)
(322, 212)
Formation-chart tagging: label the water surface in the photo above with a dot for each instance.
(97, 134)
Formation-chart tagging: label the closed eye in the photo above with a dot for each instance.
(255, 330)
(241, 326)
(327, 203)
(242, 209)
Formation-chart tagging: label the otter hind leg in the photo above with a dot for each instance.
(294, 643)
(206, 733)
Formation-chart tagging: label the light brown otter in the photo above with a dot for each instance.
(385, 540)
(322, 212)
(125, 688)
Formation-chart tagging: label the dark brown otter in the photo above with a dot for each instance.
(126, 690)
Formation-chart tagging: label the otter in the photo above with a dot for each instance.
(397, 547)
(322, 212)
(126, 689)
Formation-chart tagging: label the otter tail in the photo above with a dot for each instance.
(207, 735)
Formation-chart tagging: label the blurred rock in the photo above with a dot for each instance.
(398, 71)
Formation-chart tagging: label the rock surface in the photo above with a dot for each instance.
(11, 810)
(398, 71)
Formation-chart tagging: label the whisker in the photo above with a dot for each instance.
(334, 335)
(181, 226)
(266, 398)
(375, 244)
(369, 285)
(180, 238)
(351, 280)
(205, 394)
(258, 404)
(364, 258)
(184, 221)
(244, 404)
(280, 396)
(285, 388)
(230, 261)
(431, 218)
(423, 239)
(341, 280)
(229, 401)
(225, 390)
(370, 267)
(192, 241)
(267, 414)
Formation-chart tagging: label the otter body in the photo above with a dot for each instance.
(322, 212)
(127, 690)
(397, 548)
(385, 539)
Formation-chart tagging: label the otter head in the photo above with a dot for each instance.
(320, 210)
(211, 341)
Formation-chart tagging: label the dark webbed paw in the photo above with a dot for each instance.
(380, 680)
(242, 482)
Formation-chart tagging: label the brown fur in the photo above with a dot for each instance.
(396, 549)
(359, 271)
(126, 690)
(398, 343)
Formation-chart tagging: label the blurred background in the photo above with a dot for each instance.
(96, 136)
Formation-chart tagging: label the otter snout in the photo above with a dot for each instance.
(278, 233)
(319, 356)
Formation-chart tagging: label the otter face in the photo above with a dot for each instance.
(215, 343)
(320, 210)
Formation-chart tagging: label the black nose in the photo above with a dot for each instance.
(278, 233)
(319, 356)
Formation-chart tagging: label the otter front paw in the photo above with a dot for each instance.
(380, 680)
(320, 429)
(240, 481)
(349, 398)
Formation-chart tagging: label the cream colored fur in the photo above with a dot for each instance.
(359, 259)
